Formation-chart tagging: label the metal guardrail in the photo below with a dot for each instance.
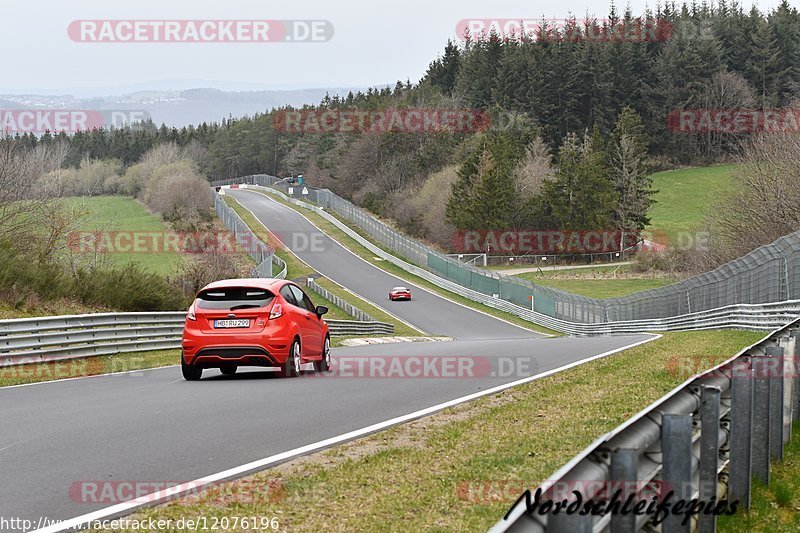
(750, 316)
(348, 328)
(46, 339)
(704, 440)
(263, 255)
(342, 304)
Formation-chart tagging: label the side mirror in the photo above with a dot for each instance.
(321, 310)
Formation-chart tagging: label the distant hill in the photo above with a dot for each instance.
(181, 107)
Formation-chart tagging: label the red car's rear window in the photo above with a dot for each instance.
(230, 297)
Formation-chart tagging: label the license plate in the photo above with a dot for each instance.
(238, 323)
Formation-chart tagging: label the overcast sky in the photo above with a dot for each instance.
(374, 43)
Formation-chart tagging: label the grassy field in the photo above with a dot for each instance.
(460, 470)
(684, 196)
(600, 282)
(124, 214)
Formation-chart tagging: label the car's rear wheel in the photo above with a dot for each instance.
(325, 363)
(291, 368)
(190, 373)
(228, 370)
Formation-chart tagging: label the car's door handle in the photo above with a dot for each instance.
(308, 316)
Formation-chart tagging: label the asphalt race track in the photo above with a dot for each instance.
(426, 311)
(152, 426)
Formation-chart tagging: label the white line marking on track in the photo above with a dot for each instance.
(124, 508)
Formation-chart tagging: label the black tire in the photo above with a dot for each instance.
(228, 370)
(190, 373)
(324, 364)
(291, 368)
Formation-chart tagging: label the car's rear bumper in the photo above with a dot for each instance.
(212, 351)
(217, 356)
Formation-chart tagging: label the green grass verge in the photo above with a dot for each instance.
(121, 213)
(775, 508)
(87, 366)
(333, 231)
(415, 476)
(601, 282)
(684, 196)
(600, 288)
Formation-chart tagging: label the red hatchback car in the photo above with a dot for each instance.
(400, 293)
(254, 322)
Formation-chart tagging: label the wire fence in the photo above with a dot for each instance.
(768, 274)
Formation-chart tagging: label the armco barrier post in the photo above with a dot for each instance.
(788, 343)
(623, 473)
(741, 440)
(709, 453)
(796, 381)
(676, 472)
(761, 413)
(776, 362)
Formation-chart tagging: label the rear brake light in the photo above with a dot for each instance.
(276, 312)
(190, 315)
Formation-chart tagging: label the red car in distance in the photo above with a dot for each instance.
(254, 322)
(400, 293)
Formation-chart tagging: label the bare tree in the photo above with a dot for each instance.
(764, 202)
(29, 184)
(728, 91)
(533, 170)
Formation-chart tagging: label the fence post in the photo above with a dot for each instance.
(788, 343)
(776, 362)
(796, 378)
(623, 476)
(709, 453)
(761, 414)
(741, 439)
(676, 473)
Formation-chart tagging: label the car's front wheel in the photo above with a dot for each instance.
(190, 373)
(325, 363)
(291, 368)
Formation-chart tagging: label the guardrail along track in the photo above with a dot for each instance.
(704, 440)
(44, 339)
